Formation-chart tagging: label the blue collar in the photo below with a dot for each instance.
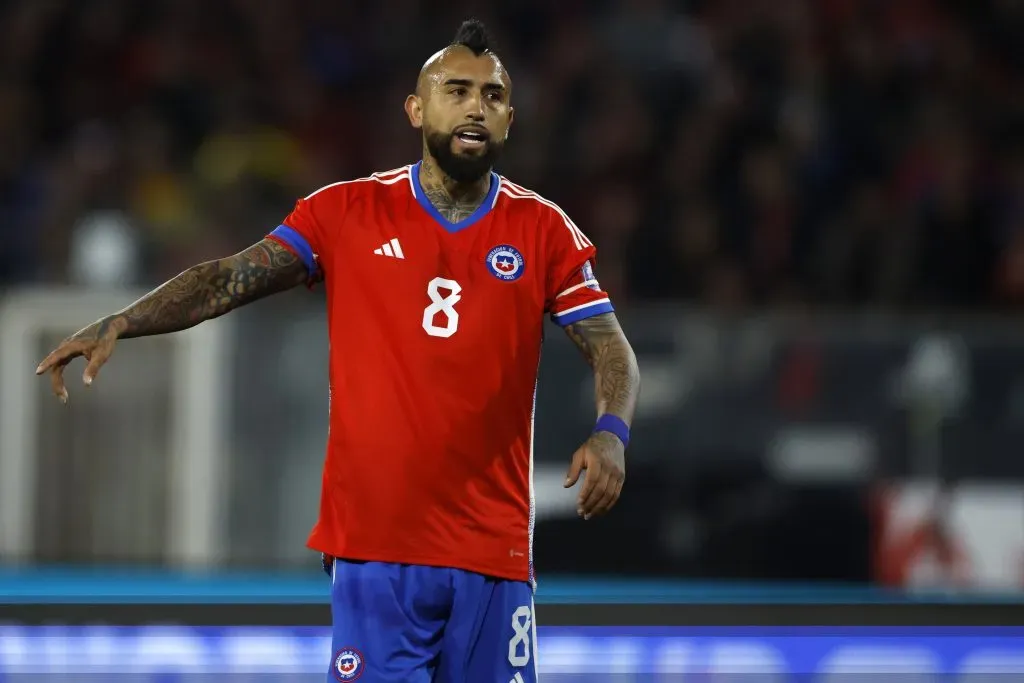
(481, 211)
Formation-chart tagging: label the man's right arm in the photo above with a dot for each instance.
(203, 292)
(209, 290)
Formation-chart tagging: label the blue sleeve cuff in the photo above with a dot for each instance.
(578, 313)
(293, 239)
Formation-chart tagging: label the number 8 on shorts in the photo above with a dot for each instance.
(519, 645)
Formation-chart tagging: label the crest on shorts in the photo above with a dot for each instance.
(505, 262)
(348, 664)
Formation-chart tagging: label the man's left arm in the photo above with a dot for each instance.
(617, 387)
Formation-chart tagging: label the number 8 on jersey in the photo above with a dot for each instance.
(442, 306)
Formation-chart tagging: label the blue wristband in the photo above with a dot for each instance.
(615, 425)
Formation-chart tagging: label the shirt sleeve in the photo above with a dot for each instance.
(302, 233)
(574, 293)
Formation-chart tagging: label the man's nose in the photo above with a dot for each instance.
(476, 110)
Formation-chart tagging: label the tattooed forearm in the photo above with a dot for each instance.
(616, 374)
(206, 291)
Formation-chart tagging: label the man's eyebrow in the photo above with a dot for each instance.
(468, 83)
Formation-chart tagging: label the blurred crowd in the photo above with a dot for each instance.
(728, 152)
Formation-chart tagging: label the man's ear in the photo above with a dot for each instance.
(414, 110)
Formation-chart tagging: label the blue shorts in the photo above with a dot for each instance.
(414, 624)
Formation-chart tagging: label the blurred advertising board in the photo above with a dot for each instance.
(161, 654)
(962, 537)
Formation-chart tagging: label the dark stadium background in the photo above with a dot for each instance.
(810, 214)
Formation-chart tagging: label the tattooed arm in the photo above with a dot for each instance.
(617, 388)
(209, 290)
(202, 292)
(607, 351)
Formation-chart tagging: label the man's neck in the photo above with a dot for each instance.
(455, 201)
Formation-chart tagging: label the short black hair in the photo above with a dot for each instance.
(473, 34)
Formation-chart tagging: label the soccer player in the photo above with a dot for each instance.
(438, 278)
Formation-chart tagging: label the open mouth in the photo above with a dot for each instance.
(473, 137)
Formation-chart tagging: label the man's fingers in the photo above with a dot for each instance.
(59, 359)
(605, 494)
(602, 491)
(62, 355)
(591, 487)
(610, 497)
(46, 363)
(575, 467)
(603, 498)
(57, 382)
(96, 360)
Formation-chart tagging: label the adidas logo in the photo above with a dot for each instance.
(518, 678)
(392, 248)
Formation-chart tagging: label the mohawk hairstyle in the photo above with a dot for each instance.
(473, 34)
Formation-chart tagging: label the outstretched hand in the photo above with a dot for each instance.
(603, 457)
(94, 343)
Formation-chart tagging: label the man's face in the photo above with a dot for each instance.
(463, 109)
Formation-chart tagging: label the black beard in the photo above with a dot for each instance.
(459, 167)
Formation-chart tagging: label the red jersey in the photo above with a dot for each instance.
(435, 337)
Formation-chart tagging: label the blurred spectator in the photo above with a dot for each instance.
(731, 153)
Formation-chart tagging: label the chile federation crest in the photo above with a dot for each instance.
(505, 262)
(348, 664)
